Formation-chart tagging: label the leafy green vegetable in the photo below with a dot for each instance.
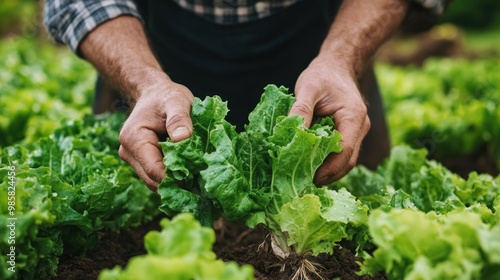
(448, 106)
(69, 186)
(39, 91)
(42, 209)
(426, 222)
(408, 178)
(263, 175)
(314, 226)
(455, 245)
(182, 250)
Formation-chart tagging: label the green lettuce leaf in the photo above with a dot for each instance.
(43, 207)
(314, 223)
(69, 186)
(416, 245)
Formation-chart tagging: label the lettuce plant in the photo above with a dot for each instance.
(262, 175)
(182, 250)
(427, 222)
(416, 245)
(68, 187)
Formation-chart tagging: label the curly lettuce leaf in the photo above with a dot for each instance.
(417, 245)
(314, 223)
(70, 186)
(43, 208)
(296, 154)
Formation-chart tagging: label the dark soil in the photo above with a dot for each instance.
(235, 242)
(113, 249)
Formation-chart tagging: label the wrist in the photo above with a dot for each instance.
(143, 82)
(360, 28)
(343, 62)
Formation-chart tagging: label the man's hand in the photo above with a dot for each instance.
(120, 51)
(328, 87)
(163, 110)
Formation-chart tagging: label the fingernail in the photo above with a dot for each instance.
(180, 133)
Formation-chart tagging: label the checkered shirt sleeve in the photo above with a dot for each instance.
(69, 21)
(433, 6)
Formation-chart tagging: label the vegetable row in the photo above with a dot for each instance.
(67, 188)
(448, 106)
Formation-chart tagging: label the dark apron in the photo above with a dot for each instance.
(237, 61)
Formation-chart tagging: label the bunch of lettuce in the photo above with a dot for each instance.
(182, 250)
(448, 106)
(426, 222)
(43, 209)
(70, 186)
(263, 175)
(407, 179)
(411, 244)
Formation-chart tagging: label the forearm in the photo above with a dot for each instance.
(120, 51)
(359, 29)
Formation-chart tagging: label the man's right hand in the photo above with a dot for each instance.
(120, 51)
(163, 110)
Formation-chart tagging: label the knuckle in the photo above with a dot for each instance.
(350, 164)
(124, 136)
(348, 152)
(363, 110)
(150, 183)
(152, 172)
(175, 119)
(367, 125)
(303, 108)
(311, 85)
(350, 158)
(149, 171)
(121, 153)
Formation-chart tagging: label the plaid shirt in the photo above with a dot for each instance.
(69, 21)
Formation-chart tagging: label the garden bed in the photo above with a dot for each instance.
(235, 242)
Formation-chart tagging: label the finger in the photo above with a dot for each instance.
(178, 124)
(150, 183)
(335, 167)
(304, 109)
(178, 121)
(338, 165)
(304, 104)
(140, 148)
(149, 167)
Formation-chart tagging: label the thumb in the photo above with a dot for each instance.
(178, 124)
(304, 108)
